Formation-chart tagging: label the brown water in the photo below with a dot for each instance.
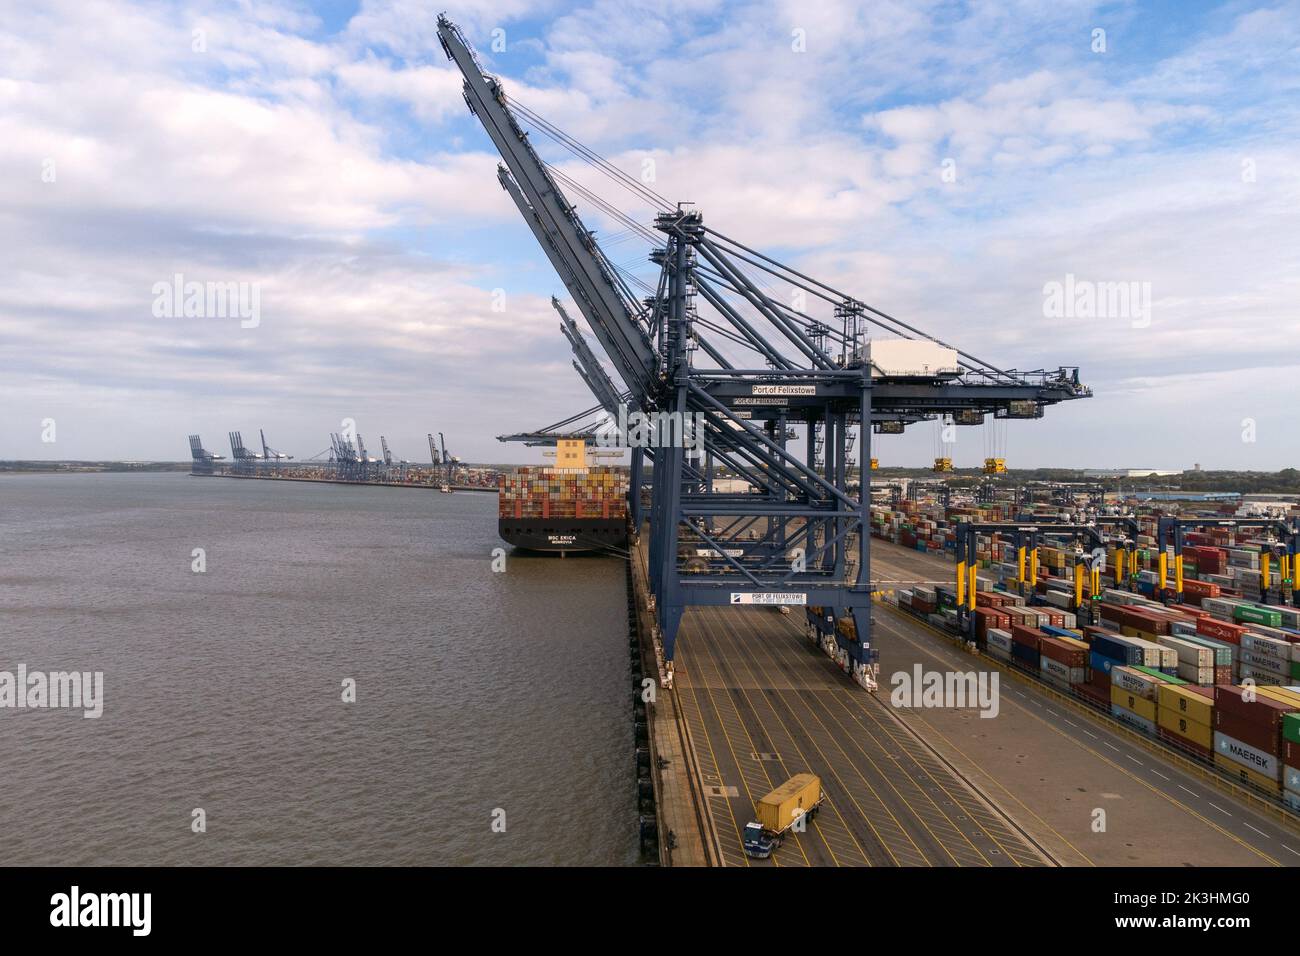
(476, 691)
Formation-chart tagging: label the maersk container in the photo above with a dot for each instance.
(1247, 756)
(1127, 680)
(1260, 646)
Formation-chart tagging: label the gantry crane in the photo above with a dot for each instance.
(675, 353)
(202, 458)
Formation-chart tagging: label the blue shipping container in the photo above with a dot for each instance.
(1059, 632)
(1025, 653)
(1100, 662)
(1117, 648)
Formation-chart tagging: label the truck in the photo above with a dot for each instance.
(778, 811)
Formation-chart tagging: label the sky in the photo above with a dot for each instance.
(956, 165)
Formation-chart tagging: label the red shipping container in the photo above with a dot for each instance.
(1223, 674)
(1062, 652)
(986, 618)
(1290, 753)
(1200, 589)
(1252, 733)
(1142, 620)
(1095, 694)
(1220, 630)
(1263, 711)
(1026, 635)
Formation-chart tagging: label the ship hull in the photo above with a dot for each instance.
(564, 535)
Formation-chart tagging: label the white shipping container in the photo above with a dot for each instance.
(1260, 647)
(1201, 676)
(1257, 760)
(1189, 653)
(909, 358)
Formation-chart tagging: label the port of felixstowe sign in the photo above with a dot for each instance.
(768, 597)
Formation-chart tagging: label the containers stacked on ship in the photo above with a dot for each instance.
(564, 509)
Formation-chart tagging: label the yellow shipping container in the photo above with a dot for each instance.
(782, 806)
(1182, 702)
(1185, 727)
(1130, 701)
(1280, 694)
(1246, 775)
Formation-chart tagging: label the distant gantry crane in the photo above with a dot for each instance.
(712, 345)
(202, 458)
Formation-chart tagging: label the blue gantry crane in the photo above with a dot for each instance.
(723, 367)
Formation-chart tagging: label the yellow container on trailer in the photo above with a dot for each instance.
(786, 803)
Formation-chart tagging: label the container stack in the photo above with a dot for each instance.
(539, 492)
(1248, 732)
(1291, 760)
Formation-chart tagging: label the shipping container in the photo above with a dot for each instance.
(1144, 707)
(1136, 720)
(1260, 761)
(1187, 702)
(779, 809)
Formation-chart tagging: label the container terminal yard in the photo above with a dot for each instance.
(835, 669)
(801, 658)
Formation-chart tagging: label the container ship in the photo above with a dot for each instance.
(567, 508)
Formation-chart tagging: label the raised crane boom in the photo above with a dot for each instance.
(583, 268)
(587, 365)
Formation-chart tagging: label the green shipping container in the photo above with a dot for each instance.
(1160, 675)
(1295, 670)
(1291, 727)
(1257, 615)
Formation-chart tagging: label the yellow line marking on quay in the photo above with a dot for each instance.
(885, 776)
(741, 767)
(893, 739)
(820, 830)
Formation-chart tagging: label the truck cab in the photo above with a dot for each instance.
(758, 842)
